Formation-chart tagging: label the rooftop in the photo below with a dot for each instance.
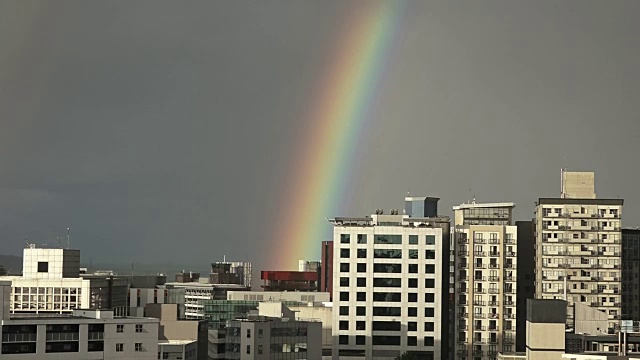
(175, 342)
(485, 205)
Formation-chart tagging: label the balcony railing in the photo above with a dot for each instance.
(493, 316)
(494, 328)
(511, 254)
(463, 290)
(507, 341)
(494, 278)
(480, 291)
(494, 253)
(479, 253)
(508, 266)
(478, 352)
(463, 253)
(479, 241)
(463, 315)
(478, 302)
(480, 266)
(463, 302)
(494, 303)
(479, 328)
(494, 291)
(479, 278)
(493, 340)
(508, 303)
(463, 241)
(463, 266)
(509, 316)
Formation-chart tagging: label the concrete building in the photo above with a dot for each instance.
(391, 286)
(631, 274)
(84, 334)
(322, 313)
(545, 329)
(189, 334)
(51, 283)
(178, 349)
(139, 298)
(234, 272)
(195, 292)
(326, 268)
(289, 280)
(486, 261)
(578, 250)
(291, 296)
(273, 333)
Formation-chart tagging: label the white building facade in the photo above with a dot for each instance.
(391, 290)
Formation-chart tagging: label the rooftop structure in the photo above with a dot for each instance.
(289, 280)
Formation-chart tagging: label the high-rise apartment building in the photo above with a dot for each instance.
(630, 274)
(391, 286)
(486, 275)
(578, 248)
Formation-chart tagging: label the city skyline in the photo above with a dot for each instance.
(154, 131)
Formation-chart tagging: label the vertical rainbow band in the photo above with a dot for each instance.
(337, 120)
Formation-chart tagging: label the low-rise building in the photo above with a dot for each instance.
(177, 349)
(196, 292)
(295, 296)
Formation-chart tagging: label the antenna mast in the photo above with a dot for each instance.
(68, 237)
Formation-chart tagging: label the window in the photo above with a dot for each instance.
(119, 328)
(387, 253)
(119, 347)
(248, 349)
(386, 311)
(361, 267)
(344, 325)
(360, 325)
(260, 333)
(387, 296)
(360, 340)
(386, 326)
(428, 312)
(387, 239)
(361, 296)
(343, 339)
(428, 326)
(413, 283)
(430, 254)
(385, 340)
(387, 282)
(361, 282)
(429, 269)
(413, 326)
(344, 267)
(344, 296)
(413, 268)
(429, 297)
(248, 333)
(43, 266)
(344, 310)
(431, 239)
(138, 328)
(428, 341)
(387, 268)
(138, 347)
(345, 238)
(362, 253)
(362, 238)
(259, 349)
(412, 312)
(361, 311)
(412, 341)
(413, 254)
(344, 281)
(413, 297)
(345, 253)
(413, 239)
(429, 283)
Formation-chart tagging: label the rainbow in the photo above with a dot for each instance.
(337, 119)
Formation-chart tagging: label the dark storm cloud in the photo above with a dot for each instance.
(162, 131)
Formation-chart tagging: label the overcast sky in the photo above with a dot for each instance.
(163, 131)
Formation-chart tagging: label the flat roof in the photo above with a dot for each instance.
(176, 342)
(568, 201)
(485, 205)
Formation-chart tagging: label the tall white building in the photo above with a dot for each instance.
(486, 274)
(391, 285)
(578, 248)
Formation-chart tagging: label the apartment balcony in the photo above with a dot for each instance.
(507, 341)
(479, 315)
(509, 316)
(494, 241)
(462, 328)
(509, 266)
(614, 317)
(463, 253)
(494, 328)
(463, 302)
(479, 241)
(463, 290)
(463, 315)
(493, 340)
(478, 352)
(509, 278)
(479, 253)
(462, 278)
(480, 291)
(611, 291)
(494, 291)
(554, 253)
(463, 266)
(492, 353)
(479, 278)
(494, 266)
(479, 341)
(608, 253)
(509, 329)
(581, 291)
(494, 253)
(493, 303)
(480, 266)
(479, 328)
(479, 303)
(509, 241)
(509, 303)
(494, 278)
(579, 278)
(463, 241)
(511, 254)
(494, 316)
(510, 291)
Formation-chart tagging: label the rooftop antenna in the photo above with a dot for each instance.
(59, 241)
(68, 237)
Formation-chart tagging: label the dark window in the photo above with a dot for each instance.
(413, 326)
(362, 282)
(413, 239)
(431, 239)
(345, 238)
(428, 312)
(361, 267)
(387, 282)
(413, 297)
(429, 297)
(413, 283)
(387, 253)
(344, 310)
(343, 339)
(360, 325)
(344, 325)
(429, 283)
(430, 254)
(361, 311)
(385, 340)
(413, 254)
(387, 239)
(387, 296)
(361, 296)
(430, 269)
(43, 266)
(386, 311)
(362, 253)
(344, 281)
(387, 268)
(345, 253)
(344, 267)
(362, 238)
(344, 296)
(428, 341)
(412, 341)
(413, 268)
(412, 312)
(360, 340)
(428, 326)
(386, 325)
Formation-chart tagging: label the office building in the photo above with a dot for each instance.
(83, 334)
(289, 280)
(273, 333)
(234, 272)
(291, 296)
(195, 293)
(140, 297)
(578, 248)
(545, 329)
(51, 283)
(190, 334)
(630, 274)
(391, 286)
(486, 279)
(326, 268)
(178, 349)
